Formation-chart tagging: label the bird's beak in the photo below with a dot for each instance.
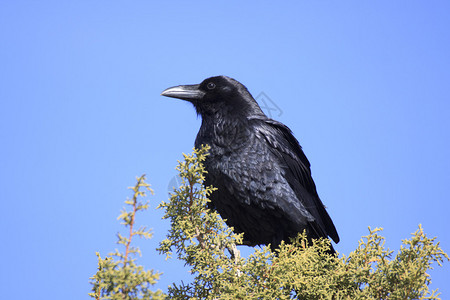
(184, 92)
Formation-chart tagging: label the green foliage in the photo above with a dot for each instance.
(118, 276)
(298, 270)
(200, 237)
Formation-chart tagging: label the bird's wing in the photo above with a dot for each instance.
(297, 173)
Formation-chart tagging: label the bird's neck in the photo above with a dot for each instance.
(228, 133)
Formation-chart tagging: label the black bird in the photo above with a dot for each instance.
(264, 182)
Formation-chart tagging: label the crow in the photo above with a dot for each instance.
(265, 188)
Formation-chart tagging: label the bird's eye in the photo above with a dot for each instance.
(210, 85)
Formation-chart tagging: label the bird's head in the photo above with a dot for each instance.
(217, 95)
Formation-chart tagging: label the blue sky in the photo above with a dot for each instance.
(363, 85)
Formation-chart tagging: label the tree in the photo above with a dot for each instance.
(298, 270)
(118, 277)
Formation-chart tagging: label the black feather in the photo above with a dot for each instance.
(264, 182)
